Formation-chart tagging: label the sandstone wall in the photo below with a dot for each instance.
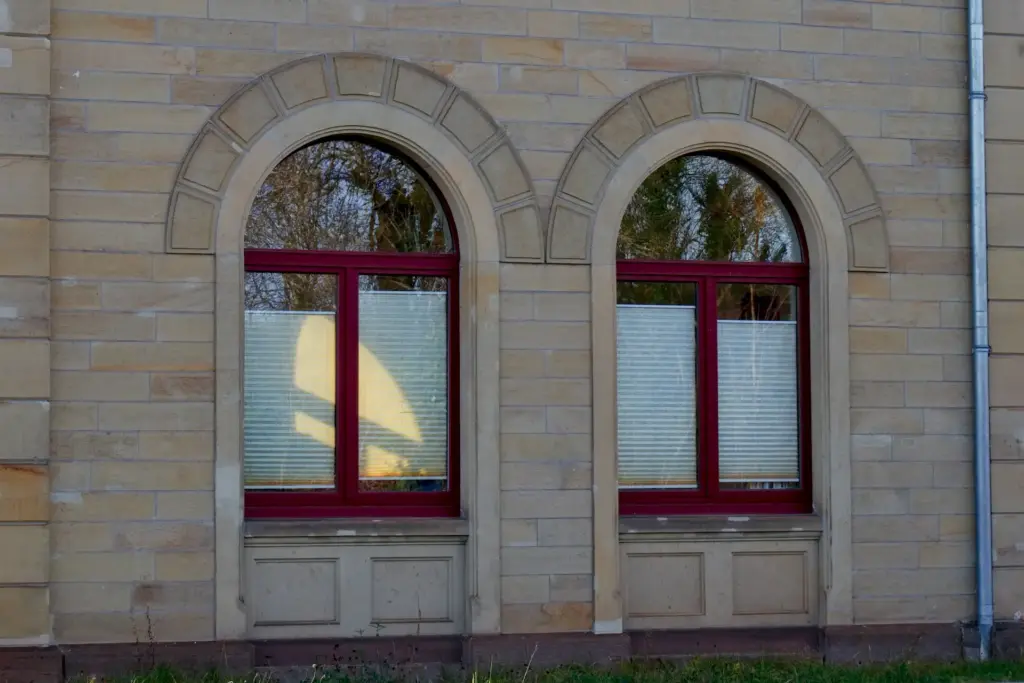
(132, 326)
(25, 321)
(1004, 38)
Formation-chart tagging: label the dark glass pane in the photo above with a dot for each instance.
(403, 383)
(289, 392)
(657, 385)
(703, 208)
(765, 302)
(758, 388)
(347, 195)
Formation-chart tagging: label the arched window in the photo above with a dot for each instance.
(351, 281)
(712, 344)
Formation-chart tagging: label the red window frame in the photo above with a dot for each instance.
(346, 500)
(709, 498)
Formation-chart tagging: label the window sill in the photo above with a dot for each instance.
(641, 529)
(356, 531)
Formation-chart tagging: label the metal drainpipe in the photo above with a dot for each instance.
(979, 268)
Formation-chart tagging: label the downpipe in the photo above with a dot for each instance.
(981, 348)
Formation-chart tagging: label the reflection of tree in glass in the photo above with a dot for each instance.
(290, 292)
(762, 302)
(347, 195)
(702, 208)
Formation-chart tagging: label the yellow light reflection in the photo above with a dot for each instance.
(381, 400)
(315, 374)
(381, 462)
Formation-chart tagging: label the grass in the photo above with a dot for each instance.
(696, 671)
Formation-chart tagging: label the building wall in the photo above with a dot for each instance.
(133, 359)
(1004, 39)
(25, 330)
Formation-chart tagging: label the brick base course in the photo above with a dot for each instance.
(845, 645)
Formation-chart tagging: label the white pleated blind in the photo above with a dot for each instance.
(657, 436)
(289, 400)
(758, 424)
(403, 385)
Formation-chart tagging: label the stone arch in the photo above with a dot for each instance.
(844, 228)
(491, 198)
(284, 92)
(713, 96)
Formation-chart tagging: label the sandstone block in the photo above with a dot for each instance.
(27, 553)
(184, 327)
(27, 16)
(565, 532)
(105, 27)
(156, 416)
(1007, 335)
(541, 561)
(420, 46)
(103, 326)
(24, 368)
(24, 186)
(520, 590)
(208, 32)
(672, 58)
(26, 249)
(546, 476)
(521, 234)
(152, 357)
(25, 131)
(504, 177)
(518, 533)
(27, 613)
(176, 387)
(306, 39)
(26, 65)
(178, 445)
(1005, 274)
(184, 566)
(158, 297)
(24, 493)
(185, 505)
(544, 24)
(540, 504)
(26, 429)
(547, 51)
(149, 59)
(547, 618)
(302, 83)
(1009, 584)
(259, 10)
(100, 386)
(1008, 487)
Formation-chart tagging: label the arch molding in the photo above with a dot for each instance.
(282, 93)
(682, 100)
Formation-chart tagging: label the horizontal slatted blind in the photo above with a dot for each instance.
(289, 400)
(657, 438)
(403, 385)
(758, 424)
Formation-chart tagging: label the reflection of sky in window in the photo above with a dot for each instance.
(774, 229)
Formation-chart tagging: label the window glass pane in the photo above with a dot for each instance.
(403, 383)
(657, 413)
(705, 208)
(289, 380)
(347, 195)
(758, 420)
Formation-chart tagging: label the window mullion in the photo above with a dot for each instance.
(348, 384)
(708, 385)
